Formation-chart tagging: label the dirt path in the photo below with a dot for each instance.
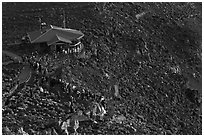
(25, 74)
(23, 77)
(6, 63)
(12, 55)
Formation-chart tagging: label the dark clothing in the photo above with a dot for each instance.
(40, 68)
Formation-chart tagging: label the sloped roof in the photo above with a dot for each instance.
(33, 35)
(55, 34)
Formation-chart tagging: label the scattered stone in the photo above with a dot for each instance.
(119, 119)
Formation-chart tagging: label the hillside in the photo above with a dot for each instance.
(144, 58)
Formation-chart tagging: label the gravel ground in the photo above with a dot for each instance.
(144, 59)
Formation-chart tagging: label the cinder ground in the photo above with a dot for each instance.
(144, 58)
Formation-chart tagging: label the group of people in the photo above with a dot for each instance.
(41, 66)
(73, 49)
(38, 64)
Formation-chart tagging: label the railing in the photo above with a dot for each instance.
(77, 48)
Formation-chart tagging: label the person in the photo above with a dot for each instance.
(41, 89)
(46, 71)
(40, 68)
(102, 101)
(72, 109)
(34, 66)
(75, 49)
(65, 51)
(24, 59)
(37, 67)
(95, 110)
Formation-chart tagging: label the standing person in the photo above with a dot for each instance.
(40, 68)
(46, 71)
(103, 106)
(34, 65)
(102, 101)
(95, 110)
(37, 67)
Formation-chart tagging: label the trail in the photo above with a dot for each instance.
(12, 55)
(13, 91)
(25, 74)
(23, 77)
(6, 63)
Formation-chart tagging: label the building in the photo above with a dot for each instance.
(57, 38)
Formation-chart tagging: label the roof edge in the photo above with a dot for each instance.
(42, 35)
(55, 27)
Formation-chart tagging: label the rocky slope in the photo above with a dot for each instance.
(144, 58)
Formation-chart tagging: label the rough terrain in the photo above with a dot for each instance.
(144, 58)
